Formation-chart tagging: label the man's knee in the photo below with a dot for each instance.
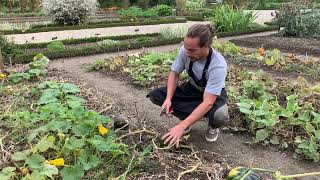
(220, 117)
(156, 96)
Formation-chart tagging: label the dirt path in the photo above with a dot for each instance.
(233, 147)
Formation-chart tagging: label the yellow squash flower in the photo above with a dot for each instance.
(57, 162)
(24, 170)
(102, 130)
(2, 76)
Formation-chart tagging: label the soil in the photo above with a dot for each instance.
(301, 46)
(236, 149)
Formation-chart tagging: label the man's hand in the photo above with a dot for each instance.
(167, 105)
(174, 135)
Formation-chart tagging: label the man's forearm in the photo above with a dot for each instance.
(172, 84)
(197, 114)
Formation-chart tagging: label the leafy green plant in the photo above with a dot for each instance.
(135, 13)
(298, 19)
(56, 46)
(227, 19)
(72, 141)
(171, 33)
(162, 10)
(193, 5)
(265, 115)
(36, 68)
(9, 48)
(227, 48)
(108, 42)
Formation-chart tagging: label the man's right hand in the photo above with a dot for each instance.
(167, 105)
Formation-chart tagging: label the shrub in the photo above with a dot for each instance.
(108, 42)
(8, 48)
(70, 11)
(135, 13)
(145, 39)
(193, 5)
(298, 19)
(227, 19)
(163, 10)
(173, 33)
(55, 46)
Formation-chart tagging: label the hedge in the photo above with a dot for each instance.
(86, 40)
(25, 58)
(72, 52)
(95, 25)
(251, 31)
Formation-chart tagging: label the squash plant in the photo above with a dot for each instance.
(258, 100)
(72, 141)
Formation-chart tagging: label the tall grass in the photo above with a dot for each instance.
(227, 19)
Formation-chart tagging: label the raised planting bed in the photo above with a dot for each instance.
(302, 46)
(83, 49)
(95, 25)
(85, 46)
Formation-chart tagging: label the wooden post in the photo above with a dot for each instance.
(1, 61)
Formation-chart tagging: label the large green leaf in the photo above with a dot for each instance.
(262, 134)
(19, 156)
(62, 126)
(72, 172)
(35, 161)
(74, 143)
(82, 129)
(49, 96)
(69, 88)
(88, 160)
(45, 143)
(48, 170)
(7, 173)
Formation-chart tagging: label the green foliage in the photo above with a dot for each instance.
(171, 33)
(135, 13)
(8, 48)
(227, 48)
(108, 42)
(36, 68)
(227, 19)
(162, 10)
(56, 46)
(299, 20)
(264, 113)
(145, 39)
(144, 69)
(193, 5)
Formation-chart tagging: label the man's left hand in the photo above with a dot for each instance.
(174, 135)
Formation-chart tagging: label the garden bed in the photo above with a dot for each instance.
(86, 46)
(271, 107)
(301, 46)
(31, 105)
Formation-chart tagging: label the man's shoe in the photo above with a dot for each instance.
(212, 134)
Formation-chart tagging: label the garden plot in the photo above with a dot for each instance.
(303, 46)
(277, 111)
(236, 152)
(58, 126)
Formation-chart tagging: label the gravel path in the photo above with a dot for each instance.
(85, 33)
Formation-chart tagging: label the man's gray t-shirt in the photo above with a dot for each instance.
(217, 70)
